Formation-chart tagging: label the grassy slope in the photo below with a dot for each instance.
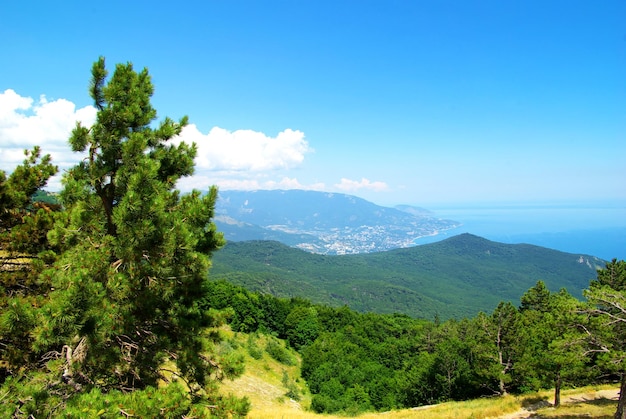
(457, 277)
(263, 381)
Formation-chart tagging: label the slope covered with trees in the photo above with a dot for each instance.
(456, 277)
(355, 362)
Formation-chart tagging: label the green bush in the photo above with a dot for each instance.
(292, 389)
(33, 398)
(253, 349)
(279, 353)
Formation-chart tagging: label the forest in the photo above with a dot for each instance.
(108, 306)
(454, 278)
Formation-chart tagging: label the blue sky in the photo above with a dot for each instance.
(416, 102)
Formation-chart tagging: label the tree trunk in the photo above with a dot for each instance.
(501, 384)
(557, 389)
(621, 410)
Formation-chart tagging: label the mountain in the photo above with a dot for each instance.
(456, 277)
(320, 222)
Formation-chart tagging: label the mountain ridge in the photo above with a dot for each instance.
(320, 222)
(456, 277)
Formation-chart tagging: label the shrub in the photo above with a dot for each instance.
(253, 349)
(292, 389)
(279, 353)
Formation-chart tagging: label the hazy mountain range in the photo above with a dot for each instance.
(325, 223)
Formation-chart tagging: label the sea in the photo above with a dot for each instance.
(595, 229)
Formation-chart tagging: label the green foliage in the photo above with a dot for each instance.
(355, 362)
(293, 392)
(105, 308)
(24, 221)
(135, 254)
(24, 253)
(537, 298)
(244, 306)
(398, 361)
(402, 362)
(281, 354)
(549, 341)
(367, 357)
(17, 320)
(120, 311)
(451, 366)
(496, 346)
(607, 328)
(17, 190)
(231, 362)
(302, 326)
(253, 348)
(171, 401)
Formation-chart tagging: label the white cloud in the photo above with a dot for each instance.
(289, 183)
(241, 159)
(25, 123)
(203, 181)
(246, 150)
(245, 159)
(348, 185)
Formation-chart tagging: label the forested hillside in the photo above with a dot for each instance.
(456, 277)
(354, 362)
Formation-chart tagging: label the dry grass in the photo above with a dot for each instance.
(263, 384)
(592, 402)
(285, 412)
(589, 402)
(585, 404)
(480, 408)
(483, 408)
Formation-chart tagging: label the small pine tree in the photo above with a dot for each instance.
(24, 252)
(24, 223)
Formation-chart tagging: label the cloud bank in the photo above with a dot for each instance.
(241, 159)
(246, 150)
(25, 123)
(348, 185)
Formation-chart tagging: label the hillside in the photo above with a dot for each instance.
(277, 390)
(457, 277)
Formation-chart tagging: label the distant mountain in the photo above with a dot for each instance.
(320, 222)
(456, 277)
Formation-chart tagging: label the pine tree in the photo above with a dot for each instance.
(607, 330)
(493, 344)
(24, 223)
(135, 251)
(549, 339)
(24, 252)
